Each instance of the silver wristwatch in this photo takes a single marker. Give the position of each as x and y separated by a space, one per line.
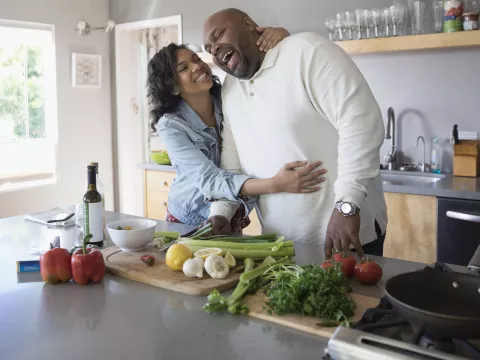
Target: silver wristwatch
347 208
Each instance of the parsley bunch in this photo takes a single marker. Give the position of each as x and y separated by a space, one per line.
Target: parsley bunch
310 290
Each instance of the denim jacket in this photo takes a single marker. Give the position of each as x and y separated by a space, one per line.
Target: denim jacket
194 150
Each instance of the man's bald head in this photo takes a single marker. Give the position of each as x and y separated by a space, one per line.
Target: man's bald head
230 36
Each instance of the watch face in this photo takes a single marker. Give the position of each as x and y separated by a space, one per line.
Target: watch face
346 208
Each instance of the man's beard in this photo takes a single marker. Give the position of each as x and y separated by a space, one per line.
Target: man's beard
245 69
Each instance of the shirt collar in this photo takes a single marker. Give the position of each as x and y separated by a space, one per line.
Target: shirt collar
192 117
269 61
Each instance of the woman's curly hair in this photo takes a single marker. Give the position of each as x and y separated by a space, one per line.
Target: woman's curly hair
162 82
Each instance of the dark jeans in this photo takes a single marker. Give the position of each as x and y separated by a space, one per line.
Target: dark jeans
375 247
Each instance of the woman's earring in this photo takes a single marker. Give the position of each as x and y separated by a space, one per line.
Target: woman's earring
176 93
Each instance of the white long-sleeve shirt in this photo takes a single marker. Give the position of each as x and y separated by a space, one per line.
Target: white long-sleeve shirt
309 102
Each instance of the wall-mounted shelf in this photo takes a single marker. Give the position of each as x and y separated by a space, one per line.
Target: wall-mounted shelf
412 43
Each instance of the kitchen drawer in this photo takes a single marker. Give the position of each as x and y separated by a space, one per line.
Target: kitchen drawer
156 204
159 180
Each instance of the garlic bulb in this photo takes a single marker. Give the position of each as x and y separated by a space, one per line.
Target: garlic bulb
193 267
217 267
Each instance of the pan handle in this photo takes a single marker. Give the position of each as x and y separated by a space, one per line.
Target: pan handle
463 216
474 264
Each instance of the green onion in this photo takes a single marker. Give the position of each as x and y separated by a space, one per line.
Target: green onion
246 277
202 231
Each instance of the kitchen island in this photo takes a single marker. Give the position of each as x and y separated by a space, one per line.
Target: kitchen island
122 319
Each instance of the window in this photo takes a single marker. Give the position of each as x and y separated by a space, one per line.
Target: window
28 108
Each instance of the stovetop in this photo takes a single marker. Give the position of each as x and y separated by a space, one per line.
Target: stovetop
383 333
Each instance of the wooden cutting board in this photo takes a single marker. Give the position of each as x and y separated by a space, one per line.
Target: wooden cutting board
305 323
129 266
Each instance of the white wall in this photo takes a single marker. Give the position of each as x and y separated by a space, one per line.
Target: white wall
84 115
430 91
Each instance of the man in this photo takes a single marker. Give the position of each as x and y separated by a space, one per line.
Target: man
305 98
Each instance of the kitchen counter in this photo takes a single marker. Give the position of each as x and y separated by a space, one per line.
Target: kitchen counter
122 319
155 167
450 187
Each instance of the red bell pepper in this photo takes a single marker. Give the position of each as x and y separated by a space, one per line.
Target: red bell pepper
88 264
55 266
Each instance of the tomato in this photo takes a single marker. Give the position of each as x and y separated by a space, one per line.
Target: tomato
348 262
368 272
326 264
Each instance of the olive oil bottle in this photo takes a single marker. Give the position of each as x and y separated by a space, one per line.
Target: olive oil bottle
93 209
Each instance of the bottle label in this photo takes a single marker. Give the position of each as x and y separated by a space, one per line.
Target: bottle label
93 221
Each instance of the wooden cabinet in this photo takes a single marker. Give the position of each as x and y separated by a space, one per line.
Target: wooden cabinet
412 227
157 186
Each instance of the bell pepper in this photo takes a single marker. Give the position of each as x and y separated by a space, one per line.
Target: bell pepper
87 264
55 266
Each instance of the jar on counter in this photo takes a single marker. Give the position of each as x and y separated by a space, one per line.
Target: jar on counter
453 20
470 21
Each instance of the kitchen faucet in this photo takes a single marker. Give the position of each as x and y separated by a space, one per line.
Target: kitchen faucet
391 157
422 166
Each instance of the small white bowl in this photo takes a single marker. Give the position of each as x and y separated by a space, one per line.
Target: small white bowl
132 240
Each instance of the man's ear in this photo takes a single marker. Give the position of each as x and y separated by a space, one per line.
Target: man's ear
249 24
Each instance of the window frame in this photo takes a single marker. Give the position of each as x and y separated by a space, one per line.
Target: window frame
51 114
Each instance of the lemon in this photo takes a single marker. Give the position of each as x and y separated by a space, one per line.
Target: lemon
204 253
230 260
177 255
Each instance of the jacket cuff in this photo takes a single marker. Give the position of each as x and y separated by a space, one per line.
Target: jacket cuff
350 194
223 208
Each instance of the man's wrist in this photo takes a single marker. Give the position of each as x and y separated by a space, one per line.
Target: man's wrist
347 208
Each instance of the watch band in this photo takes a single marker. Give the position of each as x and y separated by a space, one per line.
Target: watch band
353 209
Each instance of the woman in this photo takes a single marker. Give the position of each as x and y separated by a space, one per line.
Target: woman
187 114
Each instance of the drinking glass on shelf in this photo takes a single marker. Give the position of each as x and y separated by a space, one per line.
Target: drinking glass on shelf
345 21
438 15
338 29
330 25
350 24
360 24
417 14
369 28
387 22
399 13
377 22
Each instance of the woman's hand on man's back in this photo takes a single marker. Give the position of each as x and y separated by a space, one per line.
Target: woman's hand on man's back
298 177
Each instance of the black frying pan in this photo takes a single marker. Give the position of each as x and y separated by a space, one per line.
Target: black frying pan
443 304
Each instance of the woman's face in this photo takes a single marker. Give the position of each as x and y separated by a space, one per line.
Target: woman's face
193 75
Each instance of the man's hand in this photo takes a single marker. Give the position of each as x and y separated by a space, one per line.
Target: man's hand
341 232
220 225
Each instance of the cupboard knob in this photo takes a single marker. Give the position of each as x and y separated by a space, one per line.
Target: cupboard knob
165 204
165 183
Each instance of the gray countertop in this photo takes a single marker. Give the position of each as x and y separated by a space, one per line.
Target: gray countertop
122 319
450 186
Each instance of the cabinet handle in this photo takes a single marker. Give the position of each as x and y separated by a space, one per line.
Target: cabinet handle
165 183
165 204
463 216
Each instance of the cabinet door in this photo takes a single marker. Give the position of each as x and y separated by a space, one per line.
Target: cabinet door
412 227
254 228
156 204
159 180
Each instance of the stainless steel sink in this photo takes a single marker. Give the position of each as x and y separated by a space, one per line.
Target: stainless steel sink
413 178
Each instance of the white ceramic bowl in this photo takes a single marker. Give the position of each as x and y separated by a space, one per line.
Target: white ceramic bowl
132 240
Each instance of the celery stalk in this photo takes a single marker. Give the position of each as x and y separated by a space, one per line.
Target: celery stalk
234 245
241 254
